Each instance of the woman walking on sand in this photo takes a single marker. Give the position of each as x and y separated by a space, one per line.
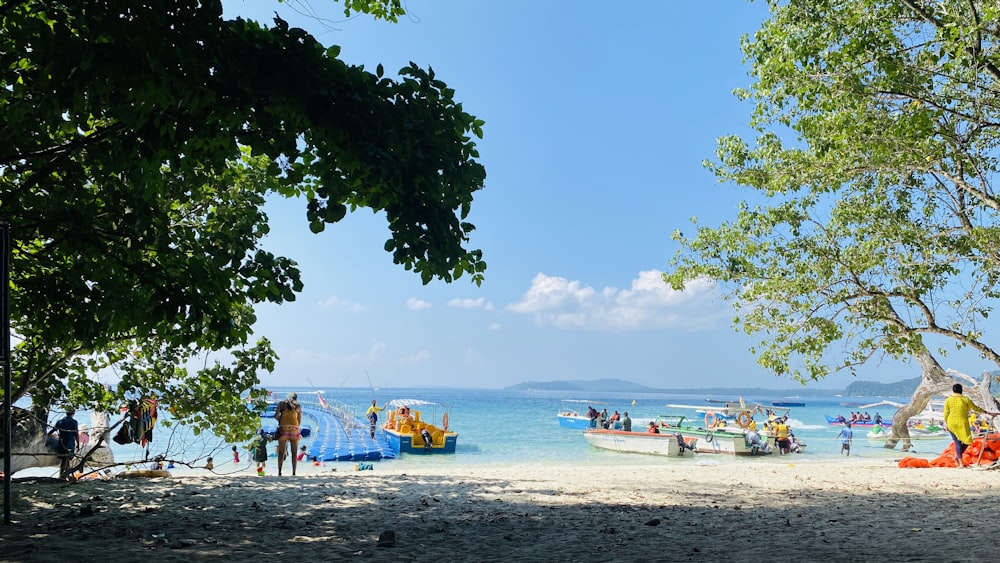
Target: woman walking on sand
289 415
956 418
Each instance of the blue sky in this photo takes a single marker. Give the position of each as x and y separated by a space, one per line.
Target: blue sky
597 120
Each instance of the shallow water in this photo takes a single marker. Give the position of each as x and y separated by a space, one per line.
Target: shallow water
500 426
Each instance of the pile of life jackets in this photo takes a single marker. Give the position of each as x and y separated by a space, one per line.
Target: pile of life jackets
982 451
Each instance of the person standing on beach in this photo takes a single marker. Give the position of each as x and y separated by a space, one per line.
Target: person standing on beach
259 447
67 431
846 437
372 415
956 418
289 415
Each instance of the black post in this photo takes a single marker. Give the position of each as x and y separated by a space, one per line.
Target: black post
5 358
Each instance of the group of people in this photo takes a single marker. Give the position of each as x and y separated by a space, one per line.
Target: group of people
289 416
614 421
857 417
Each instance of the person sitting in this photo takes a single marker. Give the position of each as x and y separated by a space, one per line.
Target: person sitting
612 422
652 428
683 445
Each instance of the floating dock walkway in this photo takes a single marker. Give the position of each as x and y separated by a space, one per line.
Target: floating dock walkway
333 441
339 435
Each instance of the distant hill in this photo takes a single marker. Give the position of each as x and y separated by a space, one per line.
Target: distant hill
903 388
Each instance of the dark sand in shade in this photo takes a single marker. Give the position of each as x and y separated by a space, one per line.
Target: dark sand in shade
663 510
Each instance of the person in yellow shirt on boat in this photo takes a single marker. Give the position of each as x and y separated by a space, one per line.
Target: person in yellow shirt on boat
956 418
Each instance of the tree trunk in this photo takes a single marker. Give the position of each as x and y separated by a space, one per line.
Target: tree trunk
934 381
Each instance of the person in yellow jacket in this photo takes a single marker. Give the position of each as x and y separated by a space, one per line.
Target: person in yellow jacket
956 417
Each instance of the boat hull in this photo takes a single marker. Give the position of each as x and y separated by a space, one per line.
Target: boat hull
635 442
835 421
413 443
728 443
574 422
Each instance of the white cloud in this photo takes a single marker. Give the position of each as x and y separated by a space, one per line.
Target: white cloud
648 304
414 359
494 326
337 303
415 304
300 356
468 303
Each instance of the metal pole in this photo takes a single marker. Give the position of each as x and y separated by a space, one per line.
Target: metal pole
5 358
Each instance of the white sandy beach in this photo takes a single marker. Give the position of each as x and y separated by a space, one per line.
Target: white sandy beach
852 511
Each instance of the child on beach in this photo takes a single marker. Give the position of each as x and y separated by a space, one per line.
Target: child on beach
259 449
236 455
302 453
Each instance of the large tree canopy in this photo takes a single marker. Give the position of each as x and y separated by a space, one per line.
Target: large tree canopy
877 150
138 141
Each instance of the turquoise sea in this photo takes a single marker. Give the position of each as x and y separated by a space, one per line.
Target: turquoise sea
507 426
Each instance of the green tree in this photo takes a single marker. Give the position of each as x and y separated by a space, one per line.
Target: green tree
138 141
875 157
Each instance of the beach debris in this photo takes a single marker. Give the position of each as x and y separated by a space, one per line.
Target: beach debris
653 522
387 538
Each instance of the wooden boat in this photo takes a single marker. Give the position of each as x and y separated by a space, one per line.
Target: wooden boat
411 431
787 404
838 420
570 415
570 419
713 440
731 410
917 432
638 442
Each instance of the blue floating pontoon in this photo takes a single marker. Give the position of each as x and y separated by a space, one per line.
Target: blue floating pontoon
338 437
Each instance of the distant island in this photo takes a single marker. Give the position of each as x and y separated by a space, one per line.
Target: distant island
903 388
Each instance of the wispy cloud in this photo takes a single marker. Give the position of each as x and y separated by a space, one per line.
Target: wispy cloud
301 355
648 304
469 303
420 357
415 304
337 303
